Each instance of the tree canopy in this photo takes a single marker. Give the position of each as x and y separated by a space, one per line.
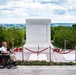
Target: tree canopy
62 33
7 34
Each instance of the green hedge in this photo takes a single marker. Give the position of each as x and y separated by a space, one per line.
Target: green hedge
43 63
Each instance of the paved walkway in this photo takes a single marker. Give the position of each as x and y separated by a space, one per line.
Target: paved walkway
43 70
40 70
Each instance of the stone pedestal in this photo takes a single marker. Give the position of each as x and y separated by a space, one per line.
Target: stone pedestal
37 37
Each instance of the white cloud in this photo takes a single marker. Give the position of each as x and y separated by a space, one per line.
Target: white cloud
45 0
71 1
63 18
12 20
19 10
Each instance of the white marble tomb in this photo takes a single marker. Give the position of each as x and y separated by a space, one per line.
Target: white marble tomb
37 37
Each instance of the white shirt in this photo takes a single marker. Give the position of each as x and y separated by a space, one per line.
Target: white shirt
3 49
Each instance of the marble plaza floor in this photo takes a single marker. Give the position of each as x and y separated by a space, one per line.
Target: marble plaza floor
40 70
56 57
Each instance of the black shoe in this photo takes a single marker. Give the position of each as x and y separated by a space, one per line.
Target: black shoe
14 64
9 66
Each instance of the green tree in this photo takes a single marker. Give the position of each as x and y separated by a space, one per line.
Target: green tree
62 33
12 33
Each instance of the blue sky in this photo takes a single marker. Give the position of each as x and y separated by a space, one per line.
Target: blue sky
17 11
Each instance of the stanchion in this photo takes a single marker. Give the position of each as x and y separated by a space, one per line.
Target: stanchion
22 54
65 45
22 50
38 53
50 53
12 43
75 53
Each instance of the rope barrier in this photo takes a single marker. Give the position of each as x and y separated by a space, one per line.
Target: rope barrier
18 50
36 51
56 50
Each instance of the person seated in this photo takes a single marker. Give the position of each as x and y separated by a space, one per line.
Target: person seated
6 50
